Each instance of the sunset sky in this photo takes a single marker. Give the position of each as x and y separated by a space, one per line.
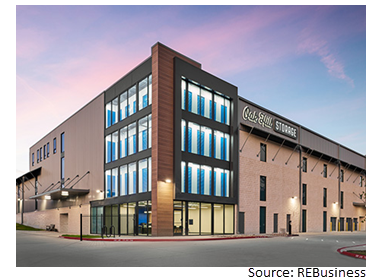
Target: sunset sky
307 63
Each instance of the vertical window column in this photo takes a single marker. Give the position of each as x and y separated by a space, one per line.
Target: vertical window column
193 178
263 188
108 115
62 172
108 148
221 110
143 94
114 116
193 98
132 106
123 106
54 146
206 103
304 192
150 89
184 93
123 144
221 183
324 197
111 113
325 171
132 145
263 152
143 133
221 146
123 180
304 164
144 175
62 160
132 178
114 146
111 183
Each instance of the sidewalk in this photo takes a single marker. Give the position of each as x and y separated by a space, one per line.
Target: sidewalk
130 238
344 251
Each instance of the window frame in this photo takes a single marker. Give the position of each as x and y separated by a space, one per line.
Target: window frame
263 152
54 145
342 199
304 164
62 142
342 176
325 170
325 197
304 194
262 188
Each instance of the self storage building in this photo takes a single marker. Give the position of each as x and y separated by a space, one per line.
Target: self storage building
170 149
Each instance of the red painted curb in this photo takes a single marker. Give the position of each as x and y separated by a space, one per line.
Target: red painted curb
161 240
340 250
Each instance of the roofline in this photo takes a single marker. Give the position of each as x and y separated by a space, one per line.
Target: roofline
194 61
300 126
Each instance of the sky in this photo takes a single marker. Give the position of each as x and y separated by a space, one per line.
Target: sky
306 63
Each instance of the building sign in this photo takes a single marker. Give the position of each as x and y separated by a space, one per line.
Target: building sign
285 129
258 118
267 121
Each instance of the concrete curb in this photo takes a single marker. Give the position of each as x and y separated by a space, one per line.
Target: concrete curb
151 239
342 252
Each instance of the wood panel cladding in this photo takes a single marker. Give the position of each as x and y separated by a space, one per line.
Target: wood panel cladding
162 150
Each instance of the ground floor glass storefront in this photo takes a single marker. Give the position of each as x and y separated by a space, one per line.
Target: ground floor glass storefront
122 219
190 218
198 218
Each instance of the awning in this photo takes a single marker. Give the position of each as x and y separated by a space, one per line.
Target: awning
28 176
360 204
62 193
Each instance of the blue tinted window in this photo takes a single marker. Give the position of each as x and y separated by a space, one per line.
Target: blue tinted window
62 142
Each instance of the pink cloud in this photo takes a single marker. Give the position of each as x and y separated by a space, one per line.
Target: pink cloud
249 37
314 44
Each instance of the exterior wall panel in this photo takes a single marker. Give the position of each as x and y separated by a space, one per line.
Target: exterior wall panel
162 150
318 143
282 183
84 152
351 157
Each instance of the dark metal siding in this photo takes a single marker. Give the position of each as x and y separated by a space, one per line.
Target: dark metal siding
318 143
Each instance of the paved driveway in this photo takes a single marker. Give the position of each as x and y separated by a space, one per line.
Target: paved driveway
46 249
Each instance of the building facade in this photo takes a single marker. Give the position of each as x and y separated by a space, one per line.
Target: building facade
170 149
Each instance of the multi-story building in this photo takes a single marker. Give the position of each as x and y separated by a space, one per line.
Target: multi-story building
170 149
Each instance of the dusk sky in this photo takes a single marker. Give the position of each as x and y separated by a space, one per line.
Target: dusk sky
307 63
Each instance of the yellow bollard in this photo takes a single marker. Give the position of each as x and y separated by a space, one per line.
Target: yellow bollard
330 226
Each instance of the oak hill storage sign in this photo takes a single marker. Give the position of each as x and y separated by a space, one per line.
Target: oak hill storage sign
266 121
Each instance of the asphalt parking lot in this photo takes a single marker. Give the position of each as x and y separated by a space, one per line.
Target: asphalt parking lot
46 249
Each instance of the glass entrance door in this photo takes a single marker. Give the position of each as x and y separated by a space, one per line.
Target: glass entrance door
178 222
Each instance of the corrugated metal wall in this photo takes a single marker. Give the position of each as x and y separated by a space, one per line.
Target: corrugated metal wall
318 143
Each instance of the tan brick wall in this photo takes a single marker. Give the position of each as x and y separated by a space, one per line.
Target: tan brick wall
66 220
283 184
